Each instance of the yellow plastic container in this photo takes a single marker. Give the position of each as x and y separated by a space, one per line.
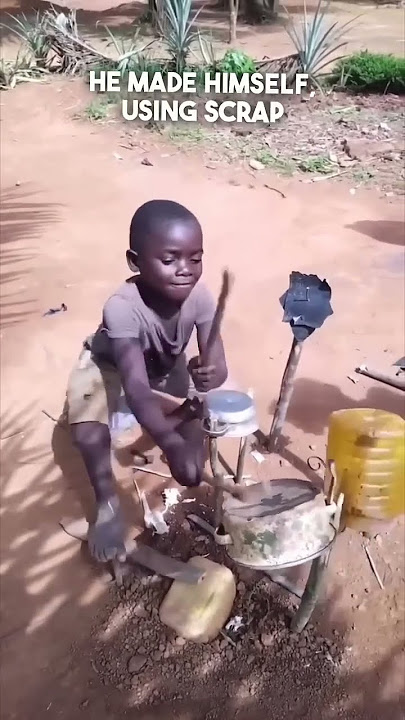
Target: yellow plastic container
198 612
368 449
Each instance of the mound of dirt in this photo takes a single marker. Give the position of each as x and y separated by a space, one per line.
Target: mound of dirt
134 652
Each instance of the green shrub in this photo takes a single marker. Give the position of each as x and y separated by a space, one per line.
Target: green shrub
236 61
372 72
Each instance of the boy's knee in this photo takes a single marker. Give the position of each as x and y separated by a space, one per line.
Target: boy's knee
90 434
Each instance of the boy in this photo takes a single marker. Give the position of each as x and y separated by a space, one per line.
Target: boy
140 347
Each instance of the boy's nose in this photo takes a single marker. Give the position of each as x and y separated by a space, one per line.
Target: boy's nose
183 268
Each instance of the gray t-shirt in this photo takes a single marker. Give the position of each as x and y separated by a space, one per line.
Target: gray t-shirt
125 315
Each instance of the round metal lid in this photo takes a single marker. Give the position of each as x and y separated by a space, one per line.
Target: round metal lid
230 405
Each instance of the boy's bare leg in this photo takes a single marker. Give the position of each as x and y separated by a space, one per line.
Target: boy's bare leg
106 535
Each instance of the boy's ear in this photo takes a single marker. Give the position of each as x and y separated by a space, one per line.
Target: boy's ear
132 260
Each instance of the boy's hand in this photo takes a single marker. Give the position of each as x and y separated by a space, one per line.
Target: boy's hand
203 377
106 538
185 460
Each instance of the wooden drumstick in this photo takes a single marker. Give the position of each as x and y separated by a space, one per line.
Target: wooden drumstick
227 282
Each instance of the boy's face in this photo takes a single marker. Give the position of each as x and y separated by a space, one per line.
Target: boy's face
171 262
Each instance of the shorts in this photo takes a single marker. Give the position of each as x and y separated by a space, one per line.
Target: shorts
95 394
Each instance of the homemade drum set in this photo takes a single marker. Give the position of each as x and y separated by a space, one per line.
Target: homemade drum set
273 525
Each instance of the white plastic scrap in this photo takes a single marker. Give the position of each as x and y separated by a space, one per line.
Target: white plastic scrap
235 623
153 518
257 456
171 497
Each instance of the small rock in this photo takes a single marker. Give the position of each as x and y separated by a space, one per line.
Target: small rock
136 663
211 166
266 639
224 644
84 704
303 652
140 612
18 183
229 655
241 587
142 651
180 641
258 645
378 540
162 647
256 164
251 659
146 161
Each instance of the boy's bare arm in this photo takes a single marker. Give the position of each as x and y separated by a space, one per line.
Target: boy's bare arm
183 458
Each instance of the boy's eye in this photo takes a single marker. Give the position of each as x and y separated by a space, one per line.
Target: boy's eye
167 261
196 259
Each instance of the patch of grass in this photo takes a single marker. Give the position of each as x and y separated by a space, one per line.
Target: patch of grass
363 176
97 111
267 158
372 72
317 164
189 136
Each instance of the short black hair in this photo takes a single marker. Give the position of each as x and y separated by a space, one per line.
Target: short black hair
150 218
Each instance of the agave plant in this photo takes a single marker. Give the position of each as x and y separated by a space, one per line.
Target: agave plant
34 36
177 29
21 69
317 40
126 48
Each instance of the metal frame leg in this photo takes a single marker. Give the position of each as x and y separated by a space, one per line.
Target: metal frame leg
241 460
311 593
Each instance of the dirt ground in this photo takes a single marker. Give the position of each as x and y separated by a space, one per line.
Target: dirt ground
66 633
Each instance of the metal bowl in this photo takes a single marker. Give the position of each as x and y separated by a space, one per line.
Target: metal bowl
230 406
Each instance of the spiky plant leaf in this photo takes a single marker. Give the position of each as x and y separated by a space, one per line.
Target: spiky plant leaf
177 29
316 40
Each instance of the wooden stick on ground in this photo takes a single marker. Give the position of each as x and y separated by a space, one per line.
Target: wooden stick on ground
381 377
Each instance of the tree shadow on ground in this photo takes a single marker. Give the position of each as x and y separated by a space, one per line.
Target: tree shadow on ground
21 222
312 403
58 597
385 231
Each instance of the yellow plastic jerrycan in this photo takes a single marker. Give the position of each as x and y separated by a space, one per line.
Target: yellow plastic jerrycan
367 448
